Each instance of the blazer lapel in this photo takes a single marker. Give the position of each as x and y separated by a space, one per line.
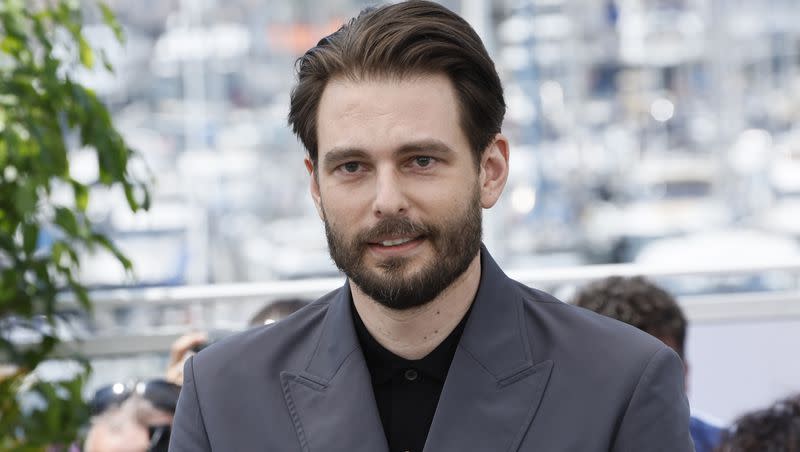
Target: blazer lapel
493 387
331 402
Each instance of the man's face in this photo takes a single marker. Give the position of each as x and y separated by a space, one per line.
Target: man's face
397 187
117 434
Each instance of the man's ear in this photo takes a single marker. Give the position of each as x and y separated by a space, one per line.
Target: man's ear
314 185
493 171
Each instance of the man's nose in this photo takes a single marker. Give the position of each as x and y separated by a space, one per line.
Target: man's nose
390 198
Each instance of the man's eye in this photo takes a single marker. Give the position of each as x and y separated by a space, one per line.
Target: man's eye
423 161
351 167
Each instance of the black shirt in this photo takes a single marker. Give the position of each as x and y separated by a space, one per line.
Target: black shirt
407 391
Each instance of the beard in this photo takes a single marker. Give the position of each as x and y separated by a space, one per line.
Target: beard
455 242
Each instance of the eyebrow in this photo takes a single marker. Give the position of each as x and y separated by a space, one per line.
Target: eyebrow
426 146
336 156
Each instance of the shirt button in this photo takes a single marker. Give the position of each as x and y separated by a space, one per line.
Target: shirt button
411 374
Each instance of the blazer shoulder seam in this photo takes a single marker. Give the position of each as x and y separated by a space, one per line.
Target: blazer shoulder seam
534 295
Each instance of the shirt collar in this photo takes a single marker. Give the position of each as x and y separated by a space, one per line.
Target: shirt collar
383 364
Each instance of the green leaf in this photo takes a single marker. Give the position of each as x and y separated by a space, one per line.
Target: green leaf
106 243
66 219
80 292
50 149
147 198
3 143
111 21
25 197
9 291
11 45
52 412
83 297
39 28
86 52
106 62
11 22
30 236
58 251
39 106
130 195
81 195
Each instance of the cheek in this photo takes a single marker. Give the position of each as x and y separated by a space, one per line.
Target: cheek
343 206
444 199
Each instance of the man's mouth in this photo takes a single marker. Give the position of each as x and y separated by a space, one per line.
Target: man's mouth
395 242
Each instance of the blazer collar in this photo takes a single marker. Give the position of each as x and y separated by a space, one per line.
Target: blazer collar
495 332
493 376
331 401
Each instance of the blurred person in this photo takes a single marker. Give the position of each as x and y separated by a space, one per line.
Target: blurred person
277 310
775 429
428 343
183 347
132 417
641 303
190 343
116 430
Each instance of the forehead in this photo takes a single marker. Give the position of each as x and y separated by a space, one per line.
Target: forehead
384 112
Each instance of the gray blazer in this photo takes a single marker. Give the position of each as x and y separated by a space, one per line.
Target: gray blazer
530 374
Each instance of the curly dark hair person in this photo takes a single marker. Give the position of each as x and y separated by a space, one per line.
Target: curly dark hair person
775 429
638 302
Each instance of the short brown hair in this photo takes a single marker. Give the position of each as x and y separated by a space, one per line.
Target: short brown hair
638 302
396 41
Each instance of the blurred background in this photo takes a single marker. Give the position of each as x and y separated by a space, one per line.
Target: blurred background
660 135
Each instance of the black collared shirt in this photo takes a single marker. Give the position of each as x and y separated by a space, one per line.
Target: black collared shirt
407 391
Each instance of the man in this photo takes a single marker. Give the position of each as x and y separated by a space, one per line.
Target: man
116 431
640 303
428 345
134 425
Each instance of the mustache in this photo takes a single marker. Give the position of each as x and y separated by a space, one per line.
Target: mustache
394 226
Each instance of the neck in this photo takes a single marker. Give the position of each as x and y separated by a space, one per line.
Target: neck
414 333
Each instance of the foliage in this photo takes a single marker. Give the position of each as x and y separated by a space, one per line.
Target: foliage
43 114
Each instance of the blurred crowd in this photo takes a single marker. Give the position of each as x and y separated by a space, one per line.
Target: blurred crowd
135 416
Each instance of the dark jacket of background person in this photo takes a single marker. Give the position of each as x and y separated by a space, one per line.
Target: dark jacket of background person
530 373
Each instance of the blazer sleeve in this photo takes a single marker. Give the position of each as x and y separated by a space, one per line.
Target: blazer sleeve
188 429
657 417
